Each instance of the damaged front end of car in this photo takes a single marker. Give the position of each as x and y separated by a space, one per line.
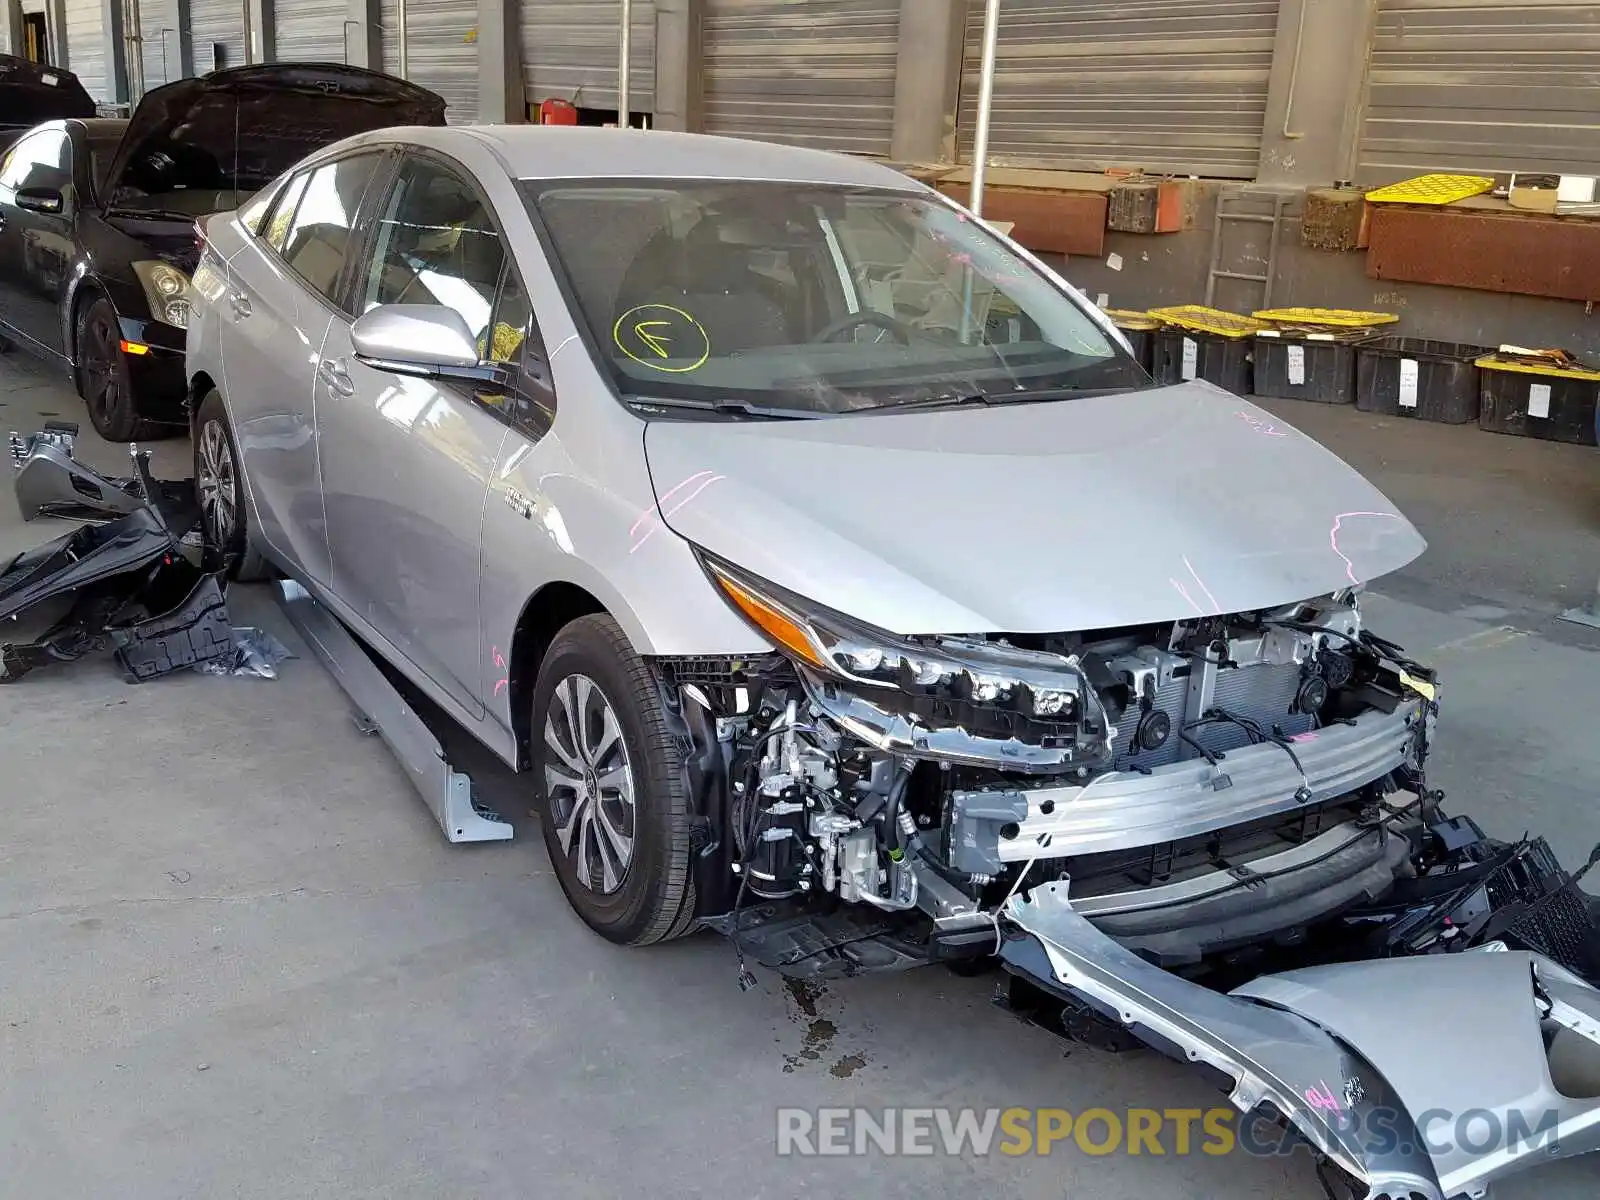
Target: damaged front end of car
1213 836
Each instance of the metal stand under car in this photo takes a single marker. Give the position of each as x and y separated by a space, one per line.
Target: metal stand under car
381 709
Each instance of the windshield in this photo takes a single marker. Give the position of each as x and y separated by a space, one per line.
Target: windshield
814 300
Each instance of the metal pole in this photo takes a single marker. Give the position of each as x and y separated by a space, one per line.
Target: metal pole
405 52
980 141
249 35
624 61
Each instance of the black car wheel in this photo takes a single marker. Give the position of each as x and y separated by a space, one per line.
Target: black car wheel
104 381
219 491
611 787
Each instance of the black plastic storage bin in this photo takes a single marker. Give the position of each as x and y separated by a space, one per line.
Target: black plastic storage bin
1552 405
1140 340
1419 377
1180 354
168 629
1140 332
1301 365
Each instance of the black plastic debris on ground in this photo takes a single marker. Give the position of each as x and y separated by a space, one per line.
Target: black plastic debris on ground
125 580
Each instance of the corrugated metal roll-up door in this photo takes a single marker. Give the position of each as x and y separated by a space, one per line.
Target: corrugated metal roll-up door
86 54
1481 87
162 56
214 22
310 30
807 72
439 57
570 52
1167 85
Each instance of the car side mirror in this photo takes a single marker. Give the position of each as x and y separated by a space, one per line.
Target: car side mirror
429 341
41 200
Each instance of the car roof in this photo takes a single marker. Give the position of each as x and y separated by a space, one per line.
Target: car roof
580 152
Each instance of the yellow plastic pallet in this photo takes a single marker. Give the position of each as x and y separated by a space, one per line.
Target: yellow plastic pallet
1344 318
1432 189
1201 319
1491 362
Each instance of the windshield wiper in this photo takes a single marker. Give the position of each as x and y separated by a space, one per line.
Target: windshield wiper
158 214
962 399
731 408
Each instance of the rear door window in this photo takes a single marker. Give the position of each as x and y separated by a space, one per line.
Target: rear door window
283 211
323 232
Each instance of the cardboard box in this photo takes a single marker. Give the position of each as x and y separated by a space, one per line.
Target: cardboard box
1535 193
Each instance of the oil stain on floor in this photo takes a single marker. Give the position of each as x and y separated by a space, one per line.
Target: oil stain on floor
801 1002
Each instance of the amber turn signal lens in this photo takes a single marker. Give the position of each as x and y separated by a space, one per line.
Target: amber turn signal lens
776 624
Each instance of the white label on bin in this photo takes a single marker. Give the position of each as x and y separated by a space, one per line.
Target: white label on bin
1408 383
1539 400
1191 358
1297 366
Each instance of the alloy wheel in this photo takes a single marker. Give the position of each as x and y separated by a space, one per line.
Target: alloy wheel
216 484
102 380
589 783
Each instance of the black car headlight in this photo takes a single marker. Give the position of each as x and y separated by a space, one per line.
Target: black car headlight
166 289
992 675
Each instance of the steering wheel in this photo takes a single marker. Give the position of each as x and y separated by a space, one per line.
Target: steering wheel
868 316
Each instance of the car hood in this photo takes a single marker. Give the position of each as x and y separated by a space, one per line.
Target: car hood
1079 514
31 94
244 126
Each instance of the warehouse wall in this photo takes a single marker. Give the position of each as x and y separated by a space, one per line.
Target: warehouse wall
1277 94
1279 91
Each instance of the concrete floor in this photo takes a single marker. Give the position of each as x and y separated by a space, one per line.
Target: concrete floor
240 960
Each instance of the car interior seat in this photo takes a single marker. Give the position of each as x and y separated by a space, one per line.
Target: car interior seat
713 281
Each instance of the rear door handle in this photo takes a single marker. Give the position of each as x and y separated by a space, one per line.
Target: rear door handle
333 372
240 303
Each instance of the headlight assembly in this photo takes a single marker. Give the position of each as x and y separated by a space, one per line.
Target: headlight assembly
988 675
167 290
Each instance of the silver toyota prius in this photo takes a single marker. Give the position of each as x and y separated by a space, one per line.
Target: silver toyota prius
843 584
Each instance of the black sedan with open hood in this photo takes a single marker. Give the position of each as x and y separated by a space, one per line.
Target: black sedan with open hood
100 220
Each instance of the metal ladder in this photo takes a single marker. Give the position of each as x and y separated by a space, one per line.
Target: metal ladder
1228 204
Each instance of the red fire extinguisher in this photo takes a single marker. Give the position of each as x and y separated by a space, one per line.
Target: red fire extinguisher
557 112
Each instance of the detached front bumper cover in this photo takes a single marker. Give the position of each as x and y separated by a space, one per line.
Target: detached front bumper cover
1421 1077
50 482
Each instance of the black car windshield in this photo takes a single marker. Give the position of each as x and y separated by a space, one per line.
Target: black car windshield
814 300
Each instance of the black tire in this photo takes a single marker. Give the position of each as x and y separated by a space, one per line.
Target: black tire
103 378
225 541
653 899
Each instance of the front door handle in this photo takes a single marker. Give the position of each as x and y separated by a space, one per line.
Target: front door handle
333 372
240 303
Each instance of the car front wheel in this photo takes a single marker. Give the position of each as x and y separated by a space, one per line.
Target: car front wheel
219 490
104 380
612 793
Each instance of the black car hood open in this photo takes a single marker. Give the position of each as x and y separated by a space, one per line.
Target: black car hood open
242 127
32 93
